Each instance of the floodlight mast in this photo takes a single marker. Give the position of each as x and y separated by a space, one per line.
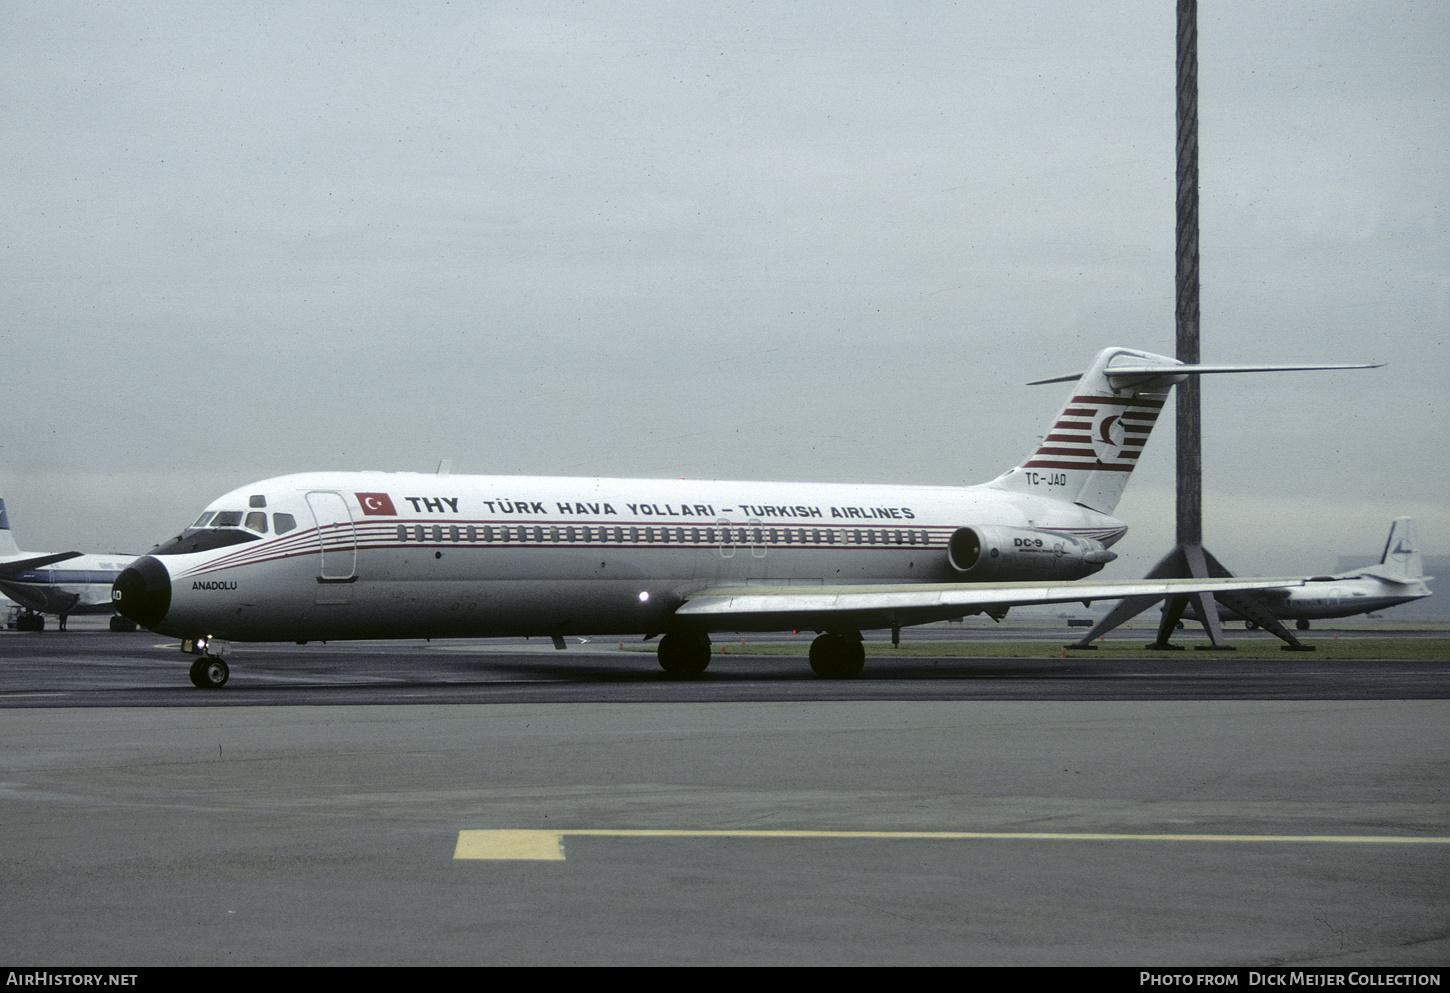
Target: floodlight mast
1188 559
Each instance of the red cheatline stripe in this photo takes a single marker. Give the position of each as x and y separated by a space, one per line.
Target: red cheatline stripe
1121 401
1096 467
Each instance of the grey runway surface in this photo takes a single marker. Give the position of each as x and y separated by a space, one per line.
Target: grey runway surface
311 812
99 669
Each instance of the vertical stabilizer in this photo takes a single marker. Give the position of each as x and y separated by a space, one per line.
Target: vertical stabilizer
1402 551
8 548
1092 447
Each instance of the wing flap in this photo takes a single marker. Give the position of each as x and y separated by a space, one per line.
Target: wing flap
887 605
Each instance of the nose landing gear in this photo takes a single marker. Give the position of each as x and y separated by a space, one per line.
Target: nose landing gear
209 673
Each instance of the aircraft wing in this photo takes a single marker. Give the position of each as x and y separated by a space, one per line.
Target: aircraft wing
814 607
37 597
14 567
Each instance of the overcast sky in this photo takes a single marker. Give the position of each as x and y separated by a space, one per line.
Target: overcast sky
752 241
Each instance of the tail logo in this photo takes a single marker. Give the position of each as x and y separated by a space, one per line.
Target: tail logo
1108 436
1098 433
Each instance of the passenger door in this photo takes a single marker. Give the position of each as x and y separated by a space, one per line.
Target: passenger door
337 540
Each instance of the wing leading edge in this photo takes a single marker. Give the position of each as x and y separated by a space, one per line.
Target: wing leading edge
822 607
15 567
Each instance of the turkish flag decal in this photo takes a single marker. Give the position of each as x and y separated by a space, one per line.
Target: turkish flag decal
376 505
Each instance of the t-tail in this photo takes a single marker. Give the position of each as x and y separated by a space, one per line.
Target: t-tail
1097 440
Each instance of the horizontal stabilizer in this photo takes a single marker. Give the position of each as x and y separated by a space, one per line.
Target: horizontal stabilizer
1125 376
16 566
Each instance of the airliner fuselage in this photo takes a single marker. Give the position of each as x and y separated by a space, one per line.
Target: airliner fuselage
320 556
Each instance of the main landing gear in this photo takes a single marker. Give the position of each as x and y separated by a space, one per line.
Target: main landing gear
684 653
209 673
834 655
838 656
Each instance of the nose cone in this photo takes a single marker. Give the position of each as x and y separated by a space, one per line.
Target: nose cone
142 591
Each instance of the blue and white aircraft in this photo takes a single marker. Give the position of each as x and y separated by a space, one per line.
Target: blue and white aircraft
339 555
61 583
1399 577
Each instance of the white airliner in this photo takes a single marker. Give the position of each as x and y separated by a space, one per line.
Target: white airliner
1399 577
62 583
341 555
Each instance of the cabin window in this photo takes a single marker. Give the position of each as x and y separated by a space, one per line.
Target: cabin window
472 533
418 533
453 532
438 534
539 535
402 532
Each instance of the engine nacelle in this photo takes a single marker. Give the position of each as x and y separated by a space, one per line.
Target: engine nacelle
1004 554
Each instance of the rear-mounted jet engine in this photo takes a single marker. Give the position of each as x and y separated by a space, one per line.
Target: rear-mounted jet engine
1004 554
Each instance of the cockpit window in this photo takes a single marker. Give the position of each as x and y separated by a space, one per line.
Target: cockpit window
227 519
257 521
282 523
201 521
203 539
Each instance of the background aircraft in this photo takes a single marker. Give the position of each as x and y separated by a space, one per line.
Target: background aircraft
342 555
1399 577
61 583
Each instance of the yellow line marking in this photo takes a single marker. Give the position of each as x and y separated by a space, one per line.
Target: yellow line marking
535 845
549 845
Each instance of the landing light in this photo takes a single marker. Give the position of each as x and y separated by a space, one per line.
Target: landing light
644 596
